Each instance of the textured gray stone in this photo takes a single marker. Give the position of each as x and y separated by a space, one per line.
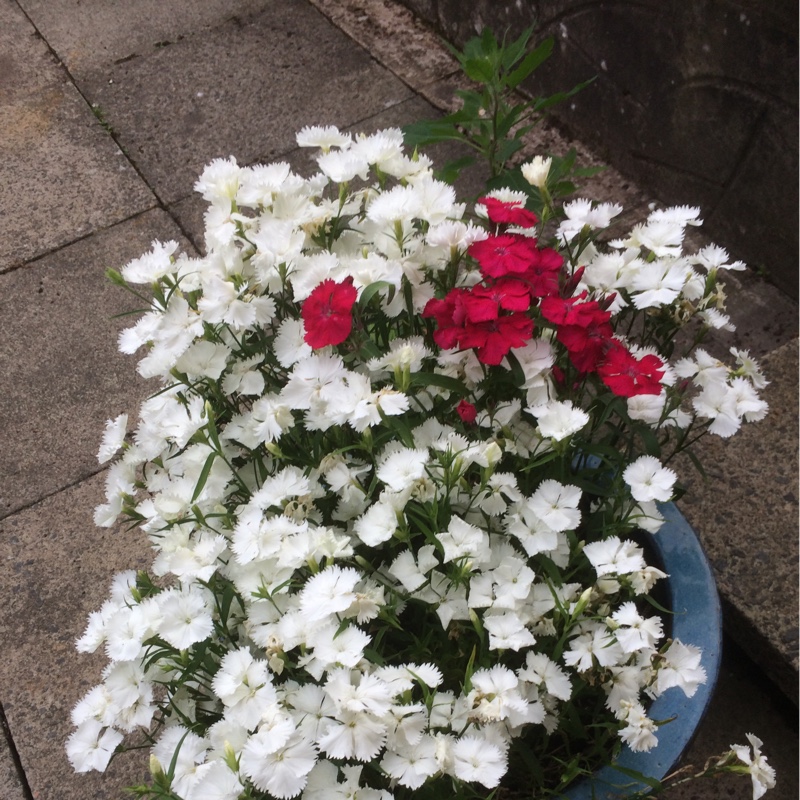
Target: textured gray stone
61 175
396 37
56 567
242 89
59 341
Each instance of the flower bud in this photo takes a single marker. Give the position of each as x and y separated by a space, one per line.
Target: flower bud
536 171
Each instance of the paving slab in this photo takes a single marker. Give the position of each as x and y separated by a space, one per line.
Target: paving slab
56 567
61 174
58 344
746 516
242 89
90 35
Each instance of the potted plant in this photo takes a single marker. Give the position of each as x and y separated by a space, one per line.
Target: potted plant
393 478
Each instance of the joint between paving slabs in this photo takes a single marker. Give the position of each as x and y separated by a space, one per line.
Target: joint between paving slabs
9 742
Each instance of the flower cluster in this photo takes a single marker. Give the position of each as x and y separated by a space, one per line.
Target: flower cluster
392 476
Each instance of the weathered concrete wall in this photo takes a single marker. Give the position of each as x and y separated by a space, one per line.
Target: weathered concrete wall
695 100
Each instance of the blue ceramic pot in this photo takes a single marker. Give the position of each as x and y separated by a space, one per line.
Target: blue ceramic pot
696 620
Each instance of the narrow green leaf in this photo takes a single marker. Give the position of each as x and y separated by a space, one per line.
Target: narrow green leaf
442 381
533 60
513 52
653 783
204 473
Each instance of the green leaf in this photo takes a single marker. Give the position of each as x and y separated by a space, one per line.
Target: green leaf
442 381
479 70
368 292
560 97
533 60
517 373
452 169
653 783
513 52
697 463
430 132
204 473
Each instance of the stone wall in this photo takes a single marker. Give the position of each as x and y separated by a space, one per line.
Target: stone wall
696 100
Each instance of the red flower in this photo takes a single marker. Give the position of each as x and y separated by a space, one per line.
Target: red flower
467 412
449 315
507 293
628 376
582 326
543 272
504 255
508 213
492 340
327 314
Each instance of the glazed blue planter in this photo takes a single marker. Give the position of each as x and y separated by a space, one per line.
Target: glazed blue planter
696 620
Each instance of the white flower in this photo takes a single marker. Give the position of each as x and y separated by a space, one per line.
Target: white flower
341 166
282 772
761 773
557 505
495 694
186 617
153 265
399 469
413 765
595 644
219 181
215 781
613 556
639 733
749 368
681 668
635 632
713 257
648 480
91 746
378 524
659 283
718 403
507 632
536 171
244 686
476 759
323 137
583 213
681 215
539 669
354 735
559 419
462 540
204 359
329 592
186 751
113 438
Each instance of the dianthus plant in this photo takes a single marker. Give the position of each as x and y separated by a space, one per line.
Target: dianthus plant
391 473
